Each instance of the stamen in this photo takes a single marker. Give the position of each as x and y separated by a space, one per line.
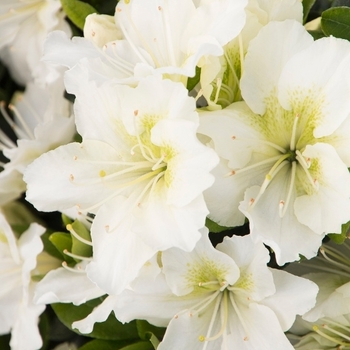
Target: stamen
22 121
224 317
268 178
69 228
337 254
19 133
332 339
284 204
241 319
204 284
299 157
249 167
294 131
76 270
264 142
168 37
333 262
141 38
330 329
75 256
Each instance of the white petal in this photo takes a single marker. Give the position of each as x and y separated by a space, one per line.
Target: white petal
263 64
255 278
325 83
185 271
63 286
99 314
119 253
286 236
318 210
288 302
71 176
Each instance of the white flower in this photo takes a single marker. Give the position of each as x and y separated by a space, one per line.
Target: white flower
220 76
224 298
325 334
41 122
140 169
169 37
18 262
284 151
24 26
330 270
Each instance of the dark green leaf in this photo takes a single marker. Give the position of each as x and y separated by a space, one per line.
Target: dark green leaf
192 82
77 11
340 238
5 341
99 344
316 34
336 21
307 4
111 329
149 332
214 227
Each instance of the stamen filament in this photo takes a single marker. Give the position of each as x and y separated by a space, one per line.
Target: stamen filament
249 167
22 121
71 269
224 313
284 207
75 256
241 319
271 174
330 329
323 334
304 165
337 254
333 262
69 228
294 131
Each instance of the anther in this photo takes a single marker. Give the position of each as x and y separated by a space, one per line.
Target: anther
136 112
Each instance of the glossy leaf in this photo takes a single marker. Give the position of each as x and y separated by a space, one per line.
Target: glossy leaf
77 11
336 21
307 4
192 82
116 345
62 241
111 329
78 247
340 238
214 227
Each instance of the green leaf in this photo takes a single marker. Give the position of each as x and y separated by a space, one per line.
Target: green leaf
340 238
77 11
214 227
78 247
5 341
336 21
62 241
307 4
49 247
111 329
116 345
66 220
192 82
144 330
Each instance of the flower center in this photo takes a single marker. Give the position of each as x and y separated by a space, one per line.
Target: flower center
290 157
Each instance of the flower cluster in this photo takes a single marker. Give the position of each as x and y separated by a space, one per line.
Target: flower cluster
162 122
